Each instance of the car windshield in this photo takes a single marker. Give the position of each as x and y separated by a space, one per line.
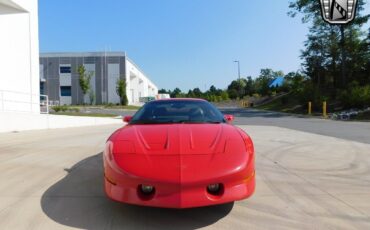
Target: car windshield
178 111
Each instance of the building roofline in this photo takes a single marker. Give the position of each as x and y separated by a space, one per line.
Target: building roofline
138 68
13 5
82 54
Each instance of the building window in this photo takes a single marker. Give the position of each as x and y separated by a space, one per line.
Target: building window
65 91
65 69
42 78
42 87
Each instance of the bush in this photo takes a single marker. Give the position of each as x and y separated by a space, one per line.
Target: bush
233 93
310 93
211 98
356 96
60 108
65 108
285 100
224 96
256 96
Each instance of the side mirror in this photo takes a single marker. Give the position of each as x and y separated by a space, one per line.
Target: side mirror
127 119
229 118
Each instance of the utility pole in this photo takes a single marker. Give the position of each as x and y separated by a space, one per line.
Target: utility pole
343 56
238 69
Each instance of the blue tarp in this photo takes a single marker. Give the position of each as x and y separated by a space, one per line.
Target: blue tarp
279 81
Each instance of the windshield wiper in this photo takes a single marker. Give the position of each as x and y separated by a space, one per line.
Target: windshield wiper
213 122
149 122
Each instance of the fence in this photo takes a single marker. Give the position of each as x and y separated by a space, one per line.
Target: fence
13 101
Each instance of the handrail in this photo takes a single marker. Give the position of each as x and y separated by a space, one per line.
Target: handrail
10 98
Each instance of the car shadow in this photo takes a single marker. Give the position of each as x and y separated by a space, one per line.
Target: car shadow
78 200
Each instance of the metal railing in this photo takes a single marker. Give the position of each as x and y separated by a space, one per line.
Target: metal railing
13 101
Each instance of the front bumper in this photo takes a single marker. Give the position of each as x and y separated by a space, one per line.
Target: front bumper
178 195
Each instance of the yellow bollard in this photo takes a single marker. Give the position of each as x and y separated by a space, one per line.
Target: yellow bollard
324 109
309 108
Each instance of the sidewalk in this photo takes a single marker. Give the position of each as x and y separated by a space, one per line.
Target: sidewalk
12 122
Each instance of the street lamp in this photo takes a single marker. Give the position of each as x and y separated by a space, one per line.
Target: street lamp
240 89
238 69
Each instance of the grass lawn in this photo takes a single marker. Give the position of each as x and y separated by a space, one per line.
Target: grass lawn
84 114
287 104
127 107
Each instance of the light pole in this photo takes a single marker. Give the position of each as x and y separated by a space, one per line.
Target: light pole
240 89
238 69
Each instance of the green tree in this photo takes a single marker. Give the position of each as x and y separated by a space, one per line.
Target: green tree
197 93
176 93
334 54
213 94
163 91
250 87
213 90
262 83
294 82
190 94
356 96
84 80
121 91
237 88
224 95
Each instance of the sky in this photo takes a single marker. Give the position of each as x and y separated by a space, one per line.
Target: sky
179 43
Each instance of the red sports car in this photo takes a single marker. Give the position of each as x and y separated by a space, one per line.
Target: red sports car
179 153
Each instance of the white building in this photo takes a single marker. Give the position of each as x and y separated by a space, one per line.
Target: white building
138 84
19 56
19 73
59 78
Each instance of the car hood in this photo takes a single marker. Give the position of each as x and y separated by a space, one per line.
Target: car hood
178 139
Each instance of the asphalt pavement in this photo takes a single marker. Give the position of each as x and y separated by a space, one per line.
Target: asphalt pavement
347 130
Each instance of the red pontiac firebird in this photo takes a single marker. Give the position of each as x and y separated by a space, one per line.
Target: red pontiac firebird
179 153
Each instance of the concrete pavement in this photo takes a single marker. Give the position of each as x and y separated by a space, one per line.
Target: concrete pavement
52 179
16 121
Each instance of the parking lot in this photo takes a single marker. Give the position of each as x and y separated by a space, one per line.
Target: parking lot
53 179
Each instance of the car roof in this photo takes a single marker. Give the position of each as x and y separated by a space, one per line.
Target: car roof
181 99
